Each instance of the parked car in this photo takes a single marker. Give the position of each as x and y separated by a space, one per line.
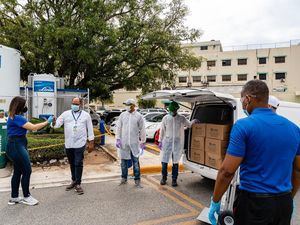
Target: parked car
214 108
113 125
95 117
108 116
152 125
152 110
149 116
156 137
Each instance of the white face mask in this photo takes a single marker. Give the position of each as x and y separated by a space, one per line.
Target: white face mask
128 108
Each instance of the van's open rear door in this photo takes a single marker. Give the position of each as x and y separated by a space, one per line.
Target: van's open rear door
187 95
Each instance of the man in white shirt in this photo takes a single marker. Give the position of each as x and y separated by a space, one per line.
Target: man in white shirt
78 129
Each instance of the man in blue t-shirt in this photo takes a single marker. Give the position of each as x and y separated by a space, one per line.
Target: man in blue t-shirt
266 147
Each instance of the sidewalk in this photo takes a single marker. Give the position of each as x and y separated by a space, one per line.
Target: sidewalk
99 170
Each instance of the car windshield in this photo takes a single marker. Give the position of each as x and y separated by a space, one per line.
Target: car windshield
149 116
157 118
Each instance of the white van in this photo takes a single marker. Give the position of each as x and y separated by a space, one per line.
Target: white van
216 108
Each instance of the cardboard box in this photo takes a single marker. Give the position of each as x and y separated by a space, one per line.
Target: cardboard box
197 155
220 132
215 146
212 160
199 129
198 142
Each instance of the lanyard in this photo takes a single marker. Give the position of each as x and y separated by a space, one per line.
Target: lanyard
76 119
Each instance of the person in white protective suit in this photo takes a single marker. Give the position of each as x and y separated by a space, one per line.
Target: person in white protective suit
130 140
171 141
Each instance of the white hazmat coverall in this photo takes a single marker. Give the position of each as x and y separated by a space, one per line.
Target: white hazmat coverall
172 137
131 131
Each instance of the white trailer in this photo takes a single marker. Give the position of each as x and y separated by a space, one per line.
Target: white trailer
9 75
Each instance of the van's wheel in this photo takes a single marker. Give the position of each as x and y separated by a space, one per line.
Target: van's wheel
226 218
95 122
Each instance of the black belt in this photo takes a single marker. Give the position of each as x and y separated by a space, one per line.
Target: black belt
265 195
13 137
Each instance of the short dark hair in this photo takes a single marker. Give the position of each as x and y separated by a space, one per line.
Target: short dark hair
16 106
257 88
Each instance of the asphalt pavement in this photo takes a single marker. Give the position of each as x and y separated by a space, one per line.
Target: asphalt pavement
107 203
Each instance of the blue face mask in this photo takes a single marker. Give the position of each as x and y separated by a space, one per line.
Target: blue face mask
75 108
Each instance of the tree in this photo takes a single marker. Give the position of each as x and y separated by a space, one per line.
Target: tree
101 44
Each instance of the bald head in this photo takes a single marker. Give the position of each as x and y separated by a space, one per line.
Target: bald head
76 101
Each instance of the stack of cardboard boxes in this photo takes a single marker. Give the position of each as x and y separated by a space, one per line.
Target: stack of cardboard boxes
209 143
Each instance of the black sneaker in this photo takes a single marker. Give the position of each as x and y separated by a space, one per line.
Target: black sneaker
79 189
174 183
163 182
71 186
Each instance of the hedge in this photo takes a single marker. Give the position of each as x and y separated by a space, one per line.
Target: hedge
44 147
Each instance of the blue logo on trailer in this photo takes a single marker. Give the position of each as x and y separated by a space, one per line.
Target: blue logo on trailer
43 86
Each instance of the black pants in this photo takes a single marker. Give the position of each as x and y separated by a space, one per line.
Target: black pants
164 171
253 209
75 157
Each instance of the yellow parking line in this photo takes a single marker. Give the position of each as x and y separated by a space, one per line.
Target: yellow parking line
152 147
192 212
185 197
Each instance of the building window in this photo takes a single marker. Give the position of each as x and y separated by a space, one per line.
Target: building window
280 76
182 79
226 62
242 77
262 76
242 61
205 47
211 63
226 77
211 78
196 78
279 59
262 60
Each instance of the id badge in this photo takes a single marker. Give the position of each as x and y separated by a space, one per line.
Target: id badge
75 129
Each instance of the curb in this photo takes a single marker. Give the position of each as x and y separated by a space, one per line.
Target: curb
66 182
157 169
114 158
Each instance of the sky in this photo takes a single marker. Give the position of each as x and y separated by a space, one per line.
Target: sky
239 22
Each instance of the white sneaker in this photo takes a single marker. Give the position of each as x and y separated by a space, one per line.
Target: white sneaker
30 201
13 201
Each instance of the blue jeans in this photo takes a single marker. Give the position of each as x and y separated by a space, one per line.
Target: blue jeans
136 167
17 152
75 158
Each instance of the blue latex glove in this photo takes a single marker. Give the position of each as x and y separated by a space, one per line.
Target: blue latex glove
118 143
214 208
160 145
50 119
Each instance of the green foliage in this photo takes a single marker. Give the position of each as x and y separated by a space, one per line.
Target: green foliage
144 104
103 45
37 142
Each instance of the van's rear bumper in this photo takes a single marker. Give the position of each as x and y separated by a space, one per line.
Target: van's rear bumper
201 169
